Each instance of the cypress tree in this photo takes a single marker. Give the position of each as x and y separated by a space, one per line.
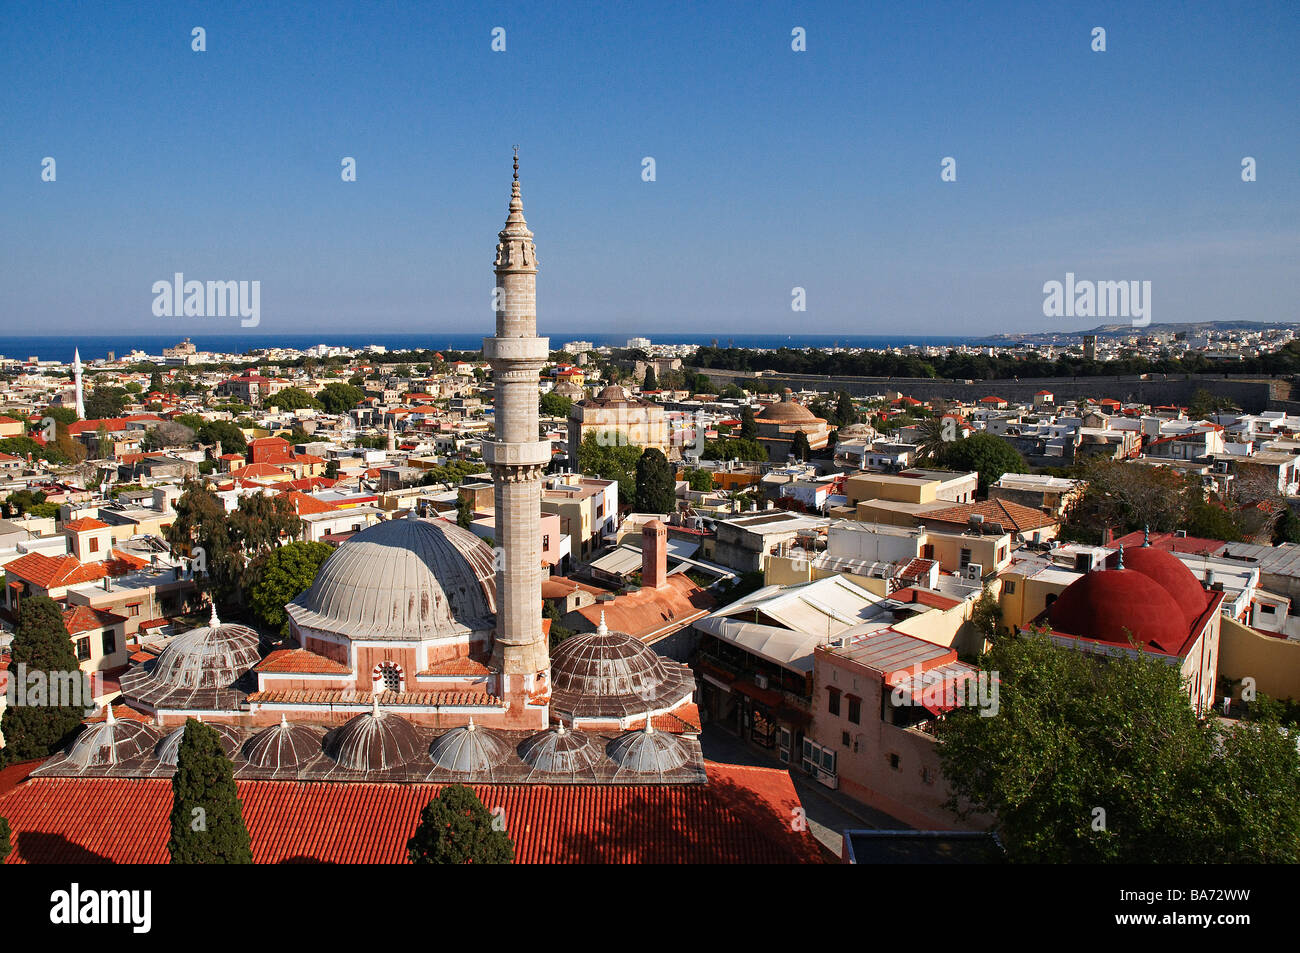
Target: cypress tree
650 382
799 446
748 425
455 828
656 485
43 647
464 511
207 818
5 845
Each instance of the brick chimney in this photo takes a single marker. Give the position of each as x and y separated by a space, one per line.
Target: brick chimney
654 555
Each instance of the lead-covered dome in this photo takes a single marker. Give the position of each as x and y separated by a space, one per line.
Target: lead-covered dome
374 741
787 411
110 742
403 579
169 749
469 750
611 674
286 745
648 752
198 669
560 752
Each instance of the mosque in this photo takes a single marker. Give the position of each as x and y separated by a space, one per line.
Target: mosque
419 656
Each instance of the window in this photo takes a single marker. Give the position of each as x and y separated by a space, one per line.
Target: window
546 542
893 761
94 544
1002 553
109 642
855 709
133 609
817 760
965 558
844 738
387 678
834 705
1267 610
1009 587
83 649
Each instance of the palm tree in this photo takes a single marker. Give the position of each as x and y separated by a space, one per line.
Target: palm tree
931 433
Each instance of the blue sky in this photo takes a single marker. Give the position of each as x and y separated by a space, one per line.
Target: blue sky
775 169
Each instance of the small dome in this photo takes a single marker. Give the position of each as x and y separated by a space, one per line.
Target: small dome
469 749
168 750
110 742
403 579
1172 574
285 745
1110 605
648 752
561 752
373 742
613 392
197 669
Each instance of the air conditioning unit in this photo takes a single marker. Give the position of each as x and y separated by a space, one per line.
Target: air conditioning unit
975 572
761 681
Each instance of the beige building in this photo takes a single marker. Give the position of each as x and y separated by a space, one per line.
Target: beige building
634 420
779 422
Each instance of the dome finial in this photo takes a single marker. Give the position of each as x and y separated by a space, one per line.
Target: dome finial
108 714
213 621
470 726
649 723
1121 556
284 720
1146 536
602 629
374 704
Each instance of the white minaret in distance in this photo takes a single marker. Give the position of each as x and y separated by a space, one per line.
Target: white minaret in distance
76 383
518 460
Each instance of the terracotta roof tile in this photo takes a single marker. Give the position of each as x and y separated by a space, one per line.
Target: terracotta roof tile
301 662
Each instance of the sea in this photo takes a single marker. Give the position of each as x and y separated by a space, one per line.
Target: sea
60 347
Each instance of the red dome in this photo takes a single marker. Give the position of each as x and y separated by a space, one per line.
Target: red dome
1173 576
1109 605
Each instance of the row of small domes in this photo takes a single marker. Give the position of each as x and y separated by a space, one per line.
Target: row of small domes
378 740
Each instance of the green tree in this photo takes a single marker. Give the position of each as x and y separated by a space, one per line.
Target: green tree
279 576
22 501
338 397
606 457
201 527
739 449
231 437
986 614
5 845
156 381
294 398
104 403
464 510
655 483
987 454
1213 521
699 479
1287 529
702 385
42 647
554 405
748 425
207 821
1075 732
845 412
799 446
455 828
650 382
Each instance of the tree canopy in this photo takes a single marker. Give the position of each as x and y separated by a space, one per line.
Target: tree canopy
207 819
985 453
455 828
41 653
656 483
279 576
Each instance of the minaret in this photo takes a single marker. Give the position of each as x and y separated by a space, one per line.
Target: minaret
76 382
518 460
392 438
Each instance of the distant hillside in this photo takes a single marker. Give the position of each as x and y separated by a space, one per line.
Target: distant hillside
1124 330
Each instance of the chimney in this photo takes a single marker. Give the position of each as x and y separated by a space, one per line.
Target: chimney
654 555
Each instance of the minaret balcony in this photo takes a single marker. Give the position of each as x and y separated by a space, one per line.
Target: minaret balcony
532 349
533 453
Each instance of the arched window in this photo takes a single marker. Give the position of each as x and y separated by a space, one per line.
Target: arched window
388 677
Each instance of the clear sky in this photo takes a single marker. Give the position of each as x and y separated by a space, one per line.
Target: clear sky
774 168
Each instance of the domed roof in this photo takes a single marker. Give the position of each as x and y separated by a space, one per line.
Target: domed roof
285 745
608 673
469 749
1110 604
110 742
613 392
373 741
856 432
561 752
648 752
197 669
168 750
787 411
403 579
1173 576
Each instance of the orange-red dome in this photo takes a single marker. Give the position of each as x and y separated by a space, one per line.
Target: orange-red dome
1112 605
1173 576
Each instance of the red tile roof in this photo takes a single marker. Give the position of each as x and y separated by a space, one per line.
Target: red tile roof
85 619
300 661
50 572
647 612
84 524
742 815
1013 516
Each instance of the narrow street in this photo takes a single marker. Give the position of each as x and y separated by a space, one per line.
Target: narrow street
829 812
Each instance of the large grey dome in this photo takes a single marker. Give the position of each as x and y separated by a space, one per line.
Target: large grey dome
110 742
648 752
373 742
169 749
286 745
198 669
403 579
469 750
561 752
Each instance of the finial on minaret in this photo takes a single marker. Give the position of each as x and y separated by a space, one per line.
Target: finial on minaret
516 163
76 383
1121 556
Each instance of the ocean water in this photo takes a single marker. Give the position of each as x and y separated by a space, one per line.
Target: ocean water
60 348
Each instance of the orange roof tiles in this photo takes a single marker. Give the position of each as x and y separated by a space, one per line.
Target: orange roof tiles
300 662
85 619
1020 518
84 524
742 815
649 611
50 572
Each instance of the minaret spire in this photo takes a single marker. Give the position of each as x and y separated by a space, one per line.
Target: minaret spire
76 383
518 460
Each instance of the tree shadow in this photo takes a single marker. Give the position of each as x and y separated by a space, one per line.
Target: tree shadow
38 847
